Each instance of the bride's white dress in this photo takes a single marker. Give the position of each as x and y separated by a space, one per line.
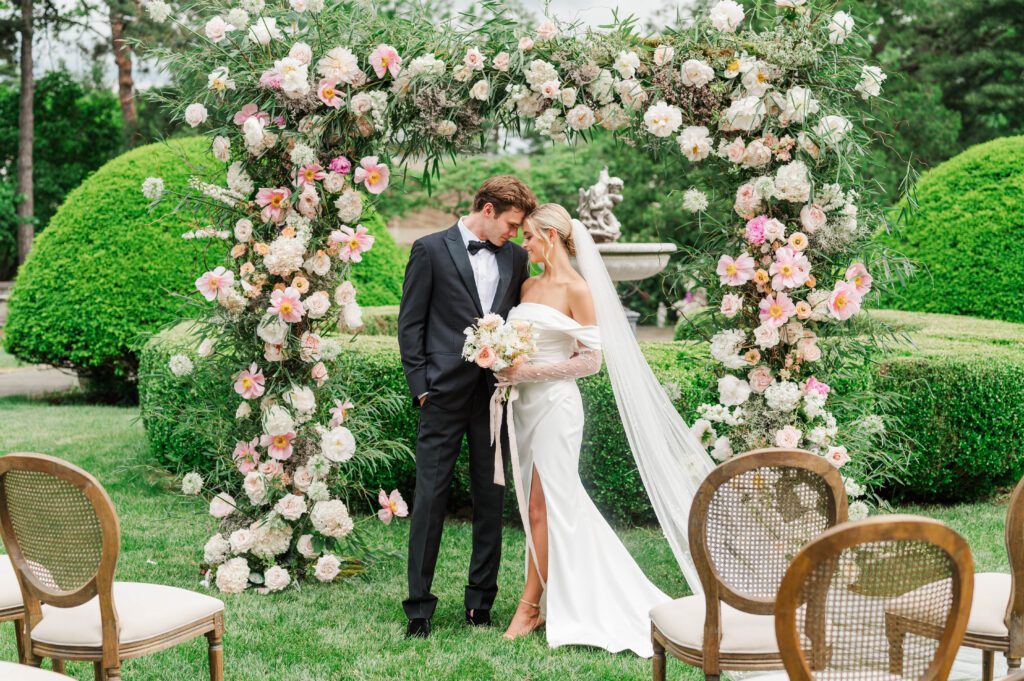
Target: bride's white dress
595 593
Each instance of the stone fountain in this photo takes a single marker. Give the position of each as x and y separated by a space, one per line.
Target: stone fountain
624 261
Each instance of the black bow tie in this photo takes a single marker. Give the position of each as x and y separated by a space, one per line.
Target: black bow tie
475 246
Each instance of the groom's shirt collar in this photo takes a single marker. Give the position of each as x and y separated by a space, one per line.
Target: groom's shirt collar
467 235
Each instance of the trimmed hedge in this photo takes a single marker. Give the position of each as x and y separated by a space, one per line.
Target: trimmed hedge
104 270
965 235
963 407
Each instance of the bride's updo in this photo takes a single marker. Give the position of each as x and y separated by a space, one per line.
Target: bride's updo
553 216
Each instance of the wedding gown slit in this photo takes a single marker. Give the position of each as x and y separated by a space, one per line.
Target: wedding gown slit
595 594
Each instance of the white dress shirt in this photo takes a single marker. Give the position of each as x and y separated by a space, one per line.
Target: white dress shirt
485 269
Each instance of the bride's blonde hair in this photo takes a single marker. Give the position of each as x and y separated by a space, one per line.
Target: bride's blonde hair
553 216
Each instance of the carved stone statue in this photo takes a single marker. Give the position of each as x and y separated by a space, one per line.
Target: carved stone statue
595 207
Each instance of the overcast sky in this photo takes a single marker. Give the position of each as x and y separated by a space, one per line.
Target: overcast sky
51 51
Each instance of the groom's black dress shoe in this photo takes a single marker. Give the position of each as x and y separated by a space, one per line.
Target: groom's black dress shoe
478 618
418 627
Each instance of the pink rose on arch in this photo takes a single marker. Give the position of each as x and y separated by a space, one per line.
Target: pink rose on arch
486 357
319 374
748 203
385 59
837 456
309 201
391 506
250 111
788 437
776 310
341 164
250 383
735 150
760 378
812 384
844 301
754 232
278 446
808 349
375 175
731 305
246 456
271 469
215 282
735 271
271 78
858 275
812 218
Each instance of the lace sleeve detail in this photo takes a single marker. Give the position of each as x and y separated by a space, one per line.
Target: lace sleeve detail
584 363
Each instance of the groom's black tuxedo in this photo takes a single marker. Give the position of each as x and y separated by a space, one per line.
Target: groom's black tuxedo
439 300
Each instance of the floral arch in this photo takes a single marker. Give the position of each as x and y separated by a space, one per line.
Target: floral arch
311 106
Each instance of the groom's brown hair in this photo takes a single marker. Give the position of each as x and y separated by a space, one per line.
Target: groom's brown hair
505 192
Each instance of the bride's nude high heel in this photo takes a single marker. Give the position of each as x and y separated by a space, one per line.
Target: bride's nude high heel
539 623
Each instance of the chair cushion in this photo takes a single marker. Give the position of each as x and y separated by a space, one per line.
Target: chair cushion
991 594
682 622
10 592
19 672
144 611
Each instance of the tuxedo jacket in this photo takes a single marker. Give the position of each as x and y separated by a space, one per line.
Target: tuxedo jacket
439 300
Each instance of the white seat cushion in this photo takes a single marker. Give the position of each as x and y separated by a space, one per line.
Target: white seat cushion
10 592
845 675
19 672
988 608
682 622
144 611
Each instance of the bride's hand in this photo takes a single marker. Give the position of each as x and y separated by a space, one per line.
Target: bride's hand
507 377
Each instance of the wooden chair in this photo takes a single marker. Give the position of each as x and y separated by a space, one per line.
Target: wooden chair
21 672
996 622
63 537
831 616
12 607
749 518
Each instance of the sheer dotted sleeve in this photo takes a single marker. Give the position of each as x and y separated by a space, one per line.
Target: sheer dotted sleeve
585 362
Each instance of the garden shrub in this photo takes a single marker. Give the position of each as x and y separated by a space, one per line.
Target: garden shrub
107 268
965 235
961 407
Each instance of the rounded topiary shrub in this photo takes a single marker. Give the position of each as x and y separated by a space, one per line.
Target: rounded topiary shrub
107 267
965 235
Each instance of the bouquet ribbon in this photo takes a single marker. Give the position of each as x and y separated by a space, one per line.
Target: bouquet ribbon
498 399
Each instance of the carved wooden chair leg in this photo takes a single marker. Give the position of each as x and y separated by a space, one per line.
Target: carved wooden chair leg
988 658
113 673
97 671
1012 662
216 652
58 665
20 639
658 661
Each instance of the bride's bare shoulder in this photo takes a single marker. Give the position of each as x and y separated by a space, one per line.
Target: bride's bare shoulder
581 303
527 285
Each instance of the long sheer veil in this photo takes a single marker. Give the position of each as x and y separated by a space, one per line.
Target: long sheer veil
672 463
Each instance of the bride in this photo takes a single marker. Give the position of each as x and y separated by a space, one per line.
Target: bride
581 581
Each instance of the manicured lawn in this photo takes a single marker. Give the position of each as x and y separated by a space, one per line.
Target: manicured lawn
350 630
7 361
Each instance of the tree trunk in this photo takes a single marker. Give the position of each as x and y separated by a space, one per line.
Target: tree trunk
125 83
26 137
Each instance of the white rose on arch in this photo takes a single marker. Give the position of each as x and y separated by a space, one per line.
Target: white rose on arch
746 114
338 444
727 16
732 391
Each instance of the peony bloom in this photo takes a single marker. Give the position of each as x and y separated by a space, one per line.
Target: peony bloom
327 568
217 29
748 202
264 30
858 275
246 456
789 270
735 272
353 242
278 446
480 91
241 540
327 92
286 305
697 73
274 203
788 437
844 301
812 218
754 231
776 310
331 518
384 58
695 143
731 305
222 505
291 506
276 578
746 114
215 282
233 576
871 79
375 175
812 384
732 391
663 119
391 506
196 114
727 16
839 28
341 164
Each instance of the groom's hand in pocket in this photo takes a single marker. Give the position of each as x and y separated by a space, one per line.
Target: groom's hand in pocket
423 398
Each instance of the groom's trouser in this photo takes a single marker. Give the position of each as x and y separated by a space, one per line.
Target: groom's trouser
437 448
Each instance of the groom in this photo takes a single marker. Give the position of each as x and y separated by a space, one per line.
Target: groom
453 278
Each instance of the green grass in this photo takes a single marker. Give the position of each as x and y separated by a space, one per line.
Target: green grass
353 629
7 360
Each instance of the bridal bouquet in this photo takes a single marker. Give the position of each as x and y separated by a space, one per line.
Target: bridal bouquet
495 344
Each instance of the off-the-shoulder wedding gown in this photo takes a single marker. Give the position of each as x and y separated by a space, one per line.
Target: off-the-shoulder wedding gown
595 593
